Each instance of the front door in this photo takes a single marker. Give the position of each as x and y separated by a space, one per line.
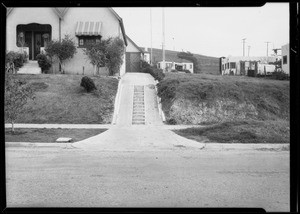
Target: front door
28 41
37 43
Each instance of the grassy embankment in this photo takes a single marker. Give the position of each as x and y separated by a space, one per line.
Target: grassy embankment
60 99
238 109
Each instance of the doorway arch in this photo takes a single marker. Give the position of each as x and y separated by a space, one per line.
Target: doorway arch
34 36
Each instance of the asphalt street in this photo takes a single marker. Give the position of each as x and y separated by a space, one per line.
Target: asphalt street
178 177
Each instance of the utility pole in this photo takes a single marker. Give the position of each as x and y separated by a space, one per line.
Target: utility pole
248 49
267 47
163 39
151 36
244 46
173 45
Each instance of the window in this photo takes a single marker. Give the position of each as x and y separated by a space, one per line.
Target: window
284 59
232 65
191 66
84 40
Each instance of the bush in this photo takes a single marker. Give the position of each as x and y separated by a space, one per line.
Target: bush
88 84
156 73
144 65
63 50
115 52
174 71
187 71
17 58
44 62
279 75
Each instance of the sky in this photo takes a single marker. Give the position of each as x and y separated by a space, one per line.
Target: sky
210 31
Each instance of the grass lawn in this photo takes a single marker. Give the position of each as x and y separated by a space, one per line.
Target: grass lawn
61 99
274 132
49 135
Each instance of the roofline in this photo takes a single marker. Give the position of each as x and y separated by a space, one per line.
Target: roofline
135 44
121 24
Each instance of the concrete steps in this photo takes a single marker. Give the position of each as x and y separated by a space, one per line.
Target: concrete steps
138 113
31 67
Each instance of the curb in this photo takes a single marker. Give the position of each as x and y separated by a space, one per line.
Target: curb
29 144
117 103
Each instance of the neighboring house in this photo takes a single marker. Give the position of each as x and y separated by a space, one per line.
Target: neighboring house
36 26
241 65
179 66
134 55
172 62
285 62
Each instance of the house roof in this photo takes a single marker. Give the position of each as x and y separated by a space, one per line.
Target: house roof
134 44
61 11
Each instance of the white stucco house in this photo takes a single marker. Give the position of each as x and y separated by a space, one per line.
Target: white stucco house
240 65
285 62
35 26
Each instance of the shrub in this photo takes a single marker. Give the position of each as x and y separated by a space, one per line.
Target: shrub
174 71
17 58
279 75
43 62
187 71
144 65
63 50
88 84
156 73
115 52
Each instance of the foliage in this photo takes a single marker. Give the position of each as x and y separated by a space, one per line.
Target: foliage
190 57
280 75
187 71
144 64
17 94
115 52
97 53
44 62
108 52
156 73
63 50
18 59
88 84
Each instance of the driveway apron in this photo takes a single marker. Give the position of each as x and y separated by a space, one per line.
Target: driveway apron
139 126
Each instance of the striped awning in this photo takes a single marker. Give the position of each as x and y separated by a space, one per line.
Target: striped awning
88 29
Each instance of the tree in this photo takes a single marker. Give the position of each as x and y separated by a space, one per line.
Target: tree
190 57
17 94
63 50
97 53
115 51
106 53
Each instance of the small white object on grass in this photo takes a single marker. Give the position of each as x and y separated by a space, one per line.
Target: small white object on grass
64 139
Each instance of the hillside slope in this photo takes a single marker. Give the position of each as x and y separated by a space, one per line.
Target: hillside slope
208 64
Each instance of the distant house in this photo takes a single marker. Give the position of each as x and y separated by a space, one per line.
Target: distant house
285 62
134 55
172 62
30 29
242 65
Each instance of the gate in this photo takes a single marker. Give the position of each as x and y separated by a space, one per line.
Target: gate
133 61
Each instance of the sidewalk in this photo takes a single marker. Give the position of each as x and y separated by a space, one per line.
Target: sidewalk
59 126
